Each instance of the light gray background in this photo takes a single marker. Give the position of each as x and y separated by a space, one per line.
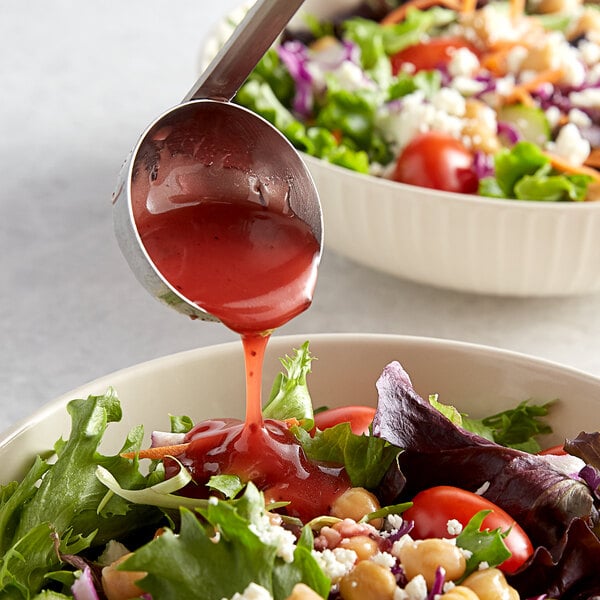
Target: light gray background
79 82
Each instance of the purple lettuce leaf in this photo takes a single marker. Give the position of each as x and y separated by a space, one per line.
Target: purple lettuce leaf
570 572
585 446
542 499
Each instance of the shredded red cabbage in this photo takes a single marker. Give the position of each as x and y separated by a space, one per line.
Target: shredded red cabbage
483 165
437 589
508 131
294 55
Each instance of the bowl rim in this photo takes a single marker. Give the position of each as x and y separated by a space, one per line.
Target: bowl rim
287 342
443 196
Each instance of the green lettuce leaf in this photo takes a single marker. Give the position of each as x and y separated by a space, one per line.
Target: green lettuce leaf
514 428
289 396
524 172
54 508
198 563
365 458
486 546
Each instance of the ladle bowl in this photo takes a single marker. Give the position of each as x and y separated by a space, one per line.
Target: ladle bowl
209 148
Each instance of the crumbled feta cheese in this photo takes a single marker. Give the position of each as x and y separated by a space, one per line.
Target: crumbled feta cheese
515 58
579 118
335 563
483 565
394 522
253 592
351 77
570 145
454 527
400 594
275 535
385 559
466 553
571 65
450 102
467 86
589 52
448 585
553 114
505 85
398 544
213 500
416 115
588 98
463 62
593 74
416 588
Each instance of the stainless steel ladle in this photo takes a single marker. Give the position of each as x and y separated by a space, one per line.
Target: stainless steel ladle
217 149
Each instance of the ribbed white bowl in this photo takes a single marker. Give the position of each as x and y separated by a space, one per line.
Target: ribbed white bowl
455 241
458 241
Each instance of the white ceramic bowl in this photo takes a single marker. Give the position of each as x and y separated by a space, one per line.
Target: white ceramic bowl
455 241
209 382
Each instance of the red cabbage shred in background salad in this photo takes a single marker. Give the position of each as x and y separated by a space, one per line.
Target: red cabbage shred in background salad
81 519
492 98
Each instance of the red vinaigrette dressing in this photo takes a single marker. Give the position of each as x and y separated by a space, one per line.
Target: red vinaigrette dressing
254 268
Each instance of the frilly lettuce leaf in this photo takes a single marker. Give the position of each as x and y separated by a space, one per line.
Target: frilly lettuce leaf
524 172
365 458
54 508
289 396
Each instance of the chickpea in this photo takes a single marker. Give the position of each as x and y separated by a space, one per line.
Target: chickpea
302 592
368 581
425 556
460 592
588 24
480 126
120 585
354 504
363 545
490 584
557 6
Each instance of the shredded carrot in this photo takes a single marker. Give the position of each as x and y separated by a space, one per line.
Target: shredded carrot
521 93
547 76
468 7
593 160
494 60
399 14
517 9
158 452
563 165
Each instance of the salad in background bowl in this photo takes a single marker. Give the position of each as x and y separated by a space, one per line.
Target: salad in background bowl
411 117
56 531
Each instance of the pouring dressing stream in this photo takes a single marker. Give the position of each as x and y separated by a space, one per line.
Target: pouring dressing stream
219 218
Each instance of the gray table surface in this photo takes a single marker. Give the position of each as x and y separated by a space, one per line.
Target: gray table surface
79 83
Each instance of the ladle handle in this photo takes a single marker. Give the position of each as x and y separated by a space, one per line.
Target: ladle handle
252 38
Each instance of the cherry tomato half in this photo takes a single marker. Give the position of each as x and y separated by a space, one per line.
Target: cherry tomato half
434 507
439 161
427 56
359 417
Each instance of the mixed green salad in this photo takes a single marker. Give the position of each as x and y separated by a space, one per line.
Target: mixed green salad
424 479
494 98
